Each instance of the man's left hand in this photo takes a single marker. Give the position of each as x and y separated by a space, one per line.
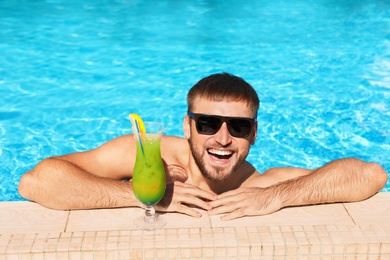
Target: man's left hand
245 202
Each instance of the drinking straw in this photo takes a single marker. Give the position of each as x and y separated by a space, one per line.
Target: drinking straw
136 132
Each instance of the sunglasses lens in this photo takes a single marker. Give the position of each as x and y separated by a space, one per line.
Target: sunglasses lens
239 127
208 125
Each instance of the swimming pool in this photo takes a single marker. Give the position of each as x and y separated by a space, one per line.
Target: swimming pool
70 73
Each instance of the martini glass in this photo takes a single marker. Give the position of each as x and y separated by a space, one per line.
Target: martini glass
148 180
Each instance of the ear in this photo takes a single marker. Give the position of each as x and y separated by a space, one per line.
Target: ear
254 134
187 127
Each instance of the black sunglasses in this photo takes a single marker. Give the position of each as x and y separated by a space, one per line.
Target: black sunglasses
210 124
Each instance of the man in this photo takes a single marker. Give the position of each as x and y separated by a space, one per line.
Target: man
205 170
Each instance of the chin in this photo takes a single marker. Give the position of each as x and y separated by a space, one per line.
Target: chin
217 176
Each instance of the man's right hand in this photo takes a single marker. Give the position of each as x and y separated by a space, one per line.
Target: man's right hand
185 198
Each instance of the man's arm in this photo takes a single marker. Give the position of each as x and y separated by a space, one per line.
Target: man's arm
84 180
344 180
59 184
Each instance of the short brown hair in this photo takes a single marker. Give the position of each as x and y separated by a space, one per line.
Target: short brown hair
224 87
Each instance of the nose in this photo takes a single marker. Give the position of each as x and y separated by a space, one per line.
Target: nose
223 136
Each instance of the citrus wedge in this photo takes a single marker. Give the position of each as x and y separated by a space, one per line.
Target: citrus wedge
136 120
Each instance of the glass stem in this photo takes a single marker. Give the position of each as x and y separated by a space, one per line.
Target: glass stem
150 214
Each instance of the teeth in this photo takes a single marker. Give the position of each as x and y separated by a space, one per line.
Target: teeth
219 152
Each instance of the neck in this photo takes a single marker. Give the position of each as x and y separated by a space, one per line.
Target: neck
196 178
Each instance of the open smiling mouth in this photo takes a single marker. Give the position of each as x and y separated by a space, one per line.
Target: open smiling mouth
220 154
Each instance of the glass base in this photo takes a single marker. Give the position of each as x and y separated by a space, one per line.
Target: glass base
147 223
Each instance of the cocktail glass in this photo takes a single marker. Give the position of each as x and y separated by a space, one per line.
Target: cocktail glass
148 180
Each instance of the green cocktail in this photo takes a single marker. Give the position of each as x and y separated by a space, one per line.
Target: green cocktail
148 175
148 180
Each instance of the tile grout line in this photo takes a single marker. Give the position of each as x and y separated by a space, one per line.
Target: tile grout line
349 214
67 222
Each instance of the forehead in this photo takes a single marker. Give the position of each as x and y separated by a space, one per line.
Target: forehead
222 108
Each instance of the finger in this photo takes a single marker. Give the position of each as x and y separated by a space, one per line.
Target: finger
230 204
220 207
190 200
232 211
196 202
233 215
189 211
180 192
181 209
195 191
223 201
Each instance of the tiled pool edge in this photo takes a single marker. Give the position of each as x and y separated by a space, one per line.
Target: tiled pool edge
362 231
318 242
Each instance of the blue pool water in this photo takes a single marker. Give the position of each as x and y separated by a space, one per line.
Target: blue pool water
71 71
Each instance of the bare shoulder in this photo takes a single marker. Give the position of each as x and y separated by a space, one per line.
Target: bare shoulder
169 139
174 149
175 152
275 175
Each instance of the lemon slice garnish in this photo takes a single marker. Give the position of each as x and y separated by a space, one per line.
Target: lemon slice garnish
136 120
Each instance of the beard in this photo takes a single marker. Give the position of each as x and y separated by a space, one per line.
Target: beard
215 173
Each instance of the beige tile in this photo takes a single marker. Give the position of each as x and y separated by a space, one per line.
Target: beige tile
371 211
301 232
176 220
328 214
27 217
123 219
103 219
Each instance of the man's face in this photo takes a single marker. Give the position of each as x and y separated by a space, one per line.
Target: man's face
219 155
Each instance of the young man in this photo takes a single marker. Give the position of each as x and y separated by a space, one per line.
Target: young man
205 170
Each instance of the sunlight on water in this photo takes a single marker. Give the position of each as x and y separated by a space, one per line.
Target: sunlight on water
70 73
